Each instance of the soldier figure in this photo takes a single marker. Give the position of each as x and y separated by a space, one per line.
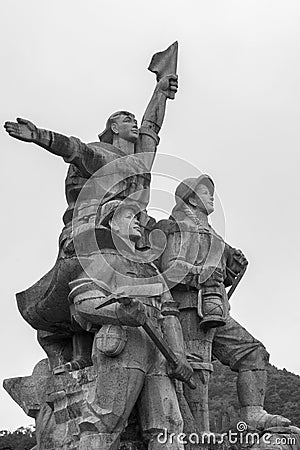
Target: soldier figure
130 368
199 265
45 304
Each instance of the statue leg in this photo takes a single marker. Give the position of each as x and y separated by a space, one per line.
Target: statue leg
82 343
159 412
119 383
69 348
198 400
251 387
199 346
82 348
58 347
235 347
106 416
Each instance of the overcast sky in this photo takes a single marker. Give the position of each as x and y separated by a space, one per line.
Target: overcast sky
66 65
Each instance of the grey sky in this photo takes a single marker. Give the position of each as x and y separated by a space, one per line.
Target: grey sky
66 65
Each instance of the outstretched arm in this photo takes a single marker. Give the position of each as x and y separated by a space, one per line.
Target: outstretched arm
26 131
86 158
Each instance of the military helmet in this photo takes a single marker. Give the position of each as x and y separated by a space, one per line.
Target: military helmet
107 210
188 186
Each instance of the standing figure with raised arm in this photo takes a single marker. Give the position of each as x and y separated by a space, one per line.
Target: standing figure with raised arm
45 304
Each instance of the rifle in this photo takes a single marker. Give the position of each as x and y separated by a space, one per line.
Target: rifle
237 280
124 296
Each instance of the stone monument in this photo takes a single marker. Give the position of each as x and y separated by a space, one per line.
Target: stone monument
129 338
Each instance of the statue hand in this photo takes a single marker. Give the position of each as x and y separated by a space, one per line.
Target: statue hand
168 85
182 371
132 314
239 256
23 129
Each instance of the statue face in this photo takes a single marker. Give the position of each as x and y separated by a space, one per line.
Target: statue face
125 126
126 224
204 199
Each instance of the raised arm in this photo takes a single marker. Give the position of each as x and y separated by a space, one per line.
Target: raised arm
153 118
155 111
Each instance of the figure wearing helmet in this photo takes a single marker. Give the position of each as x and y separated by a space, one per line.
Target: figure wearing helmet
130 368
199 265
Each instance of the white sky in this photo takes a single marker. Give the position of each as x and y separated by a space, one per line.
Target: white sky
66 65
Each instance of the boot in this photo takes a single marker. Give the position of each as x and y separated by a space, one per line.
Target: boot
251 387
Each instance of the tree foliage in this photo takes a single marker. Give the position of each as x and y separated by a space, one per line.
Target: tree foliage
282 396
21 439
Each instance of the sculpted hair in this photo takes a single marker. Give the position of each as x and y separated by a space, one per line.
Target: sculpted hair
117 114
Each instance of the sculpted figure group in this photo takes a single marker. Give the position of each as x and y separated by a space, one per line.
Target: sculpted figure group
147 327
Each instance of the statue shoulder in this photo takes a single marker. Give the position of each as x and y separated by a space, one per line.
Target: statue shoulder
105 148
168 226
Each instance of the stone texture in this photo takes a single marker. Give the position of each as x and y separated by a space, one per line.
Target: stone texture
29 392
87 409
58 404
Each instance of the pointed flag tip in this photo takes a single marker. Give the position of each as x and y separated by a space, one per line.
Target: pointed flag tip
165 62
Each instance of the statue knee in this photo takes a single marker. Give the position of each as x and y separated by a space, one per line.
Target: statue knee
258 359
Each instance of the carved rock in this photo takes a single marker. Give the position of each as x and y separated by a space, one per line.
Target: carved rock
58 403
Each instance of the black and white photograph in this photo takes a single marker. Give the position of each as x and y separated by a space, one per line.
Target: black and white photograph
150 218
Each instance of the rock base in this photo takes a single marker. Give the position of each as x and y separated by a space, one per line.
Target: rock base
59 404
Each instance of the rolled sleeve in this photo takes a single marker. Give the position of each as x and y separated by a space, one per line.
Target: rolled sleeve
147 144
86 158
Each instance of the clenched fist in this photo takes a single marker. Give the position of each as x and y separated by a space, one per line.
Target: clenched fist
168 85
239 256
132 314
182 371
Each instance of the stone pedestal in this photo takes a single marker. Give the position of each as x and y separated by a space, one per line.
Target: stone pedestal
59 404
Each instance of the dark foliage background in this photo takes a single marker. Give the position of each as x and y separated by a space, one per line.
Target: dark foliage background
282 397
21 439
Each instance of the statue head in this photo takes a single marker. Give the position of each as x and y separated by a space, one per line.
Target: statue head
121 124
122 218
197 193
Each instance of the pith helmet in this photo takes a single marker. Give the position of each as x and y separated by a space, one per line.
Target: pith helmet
188 186
108 209
107 134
